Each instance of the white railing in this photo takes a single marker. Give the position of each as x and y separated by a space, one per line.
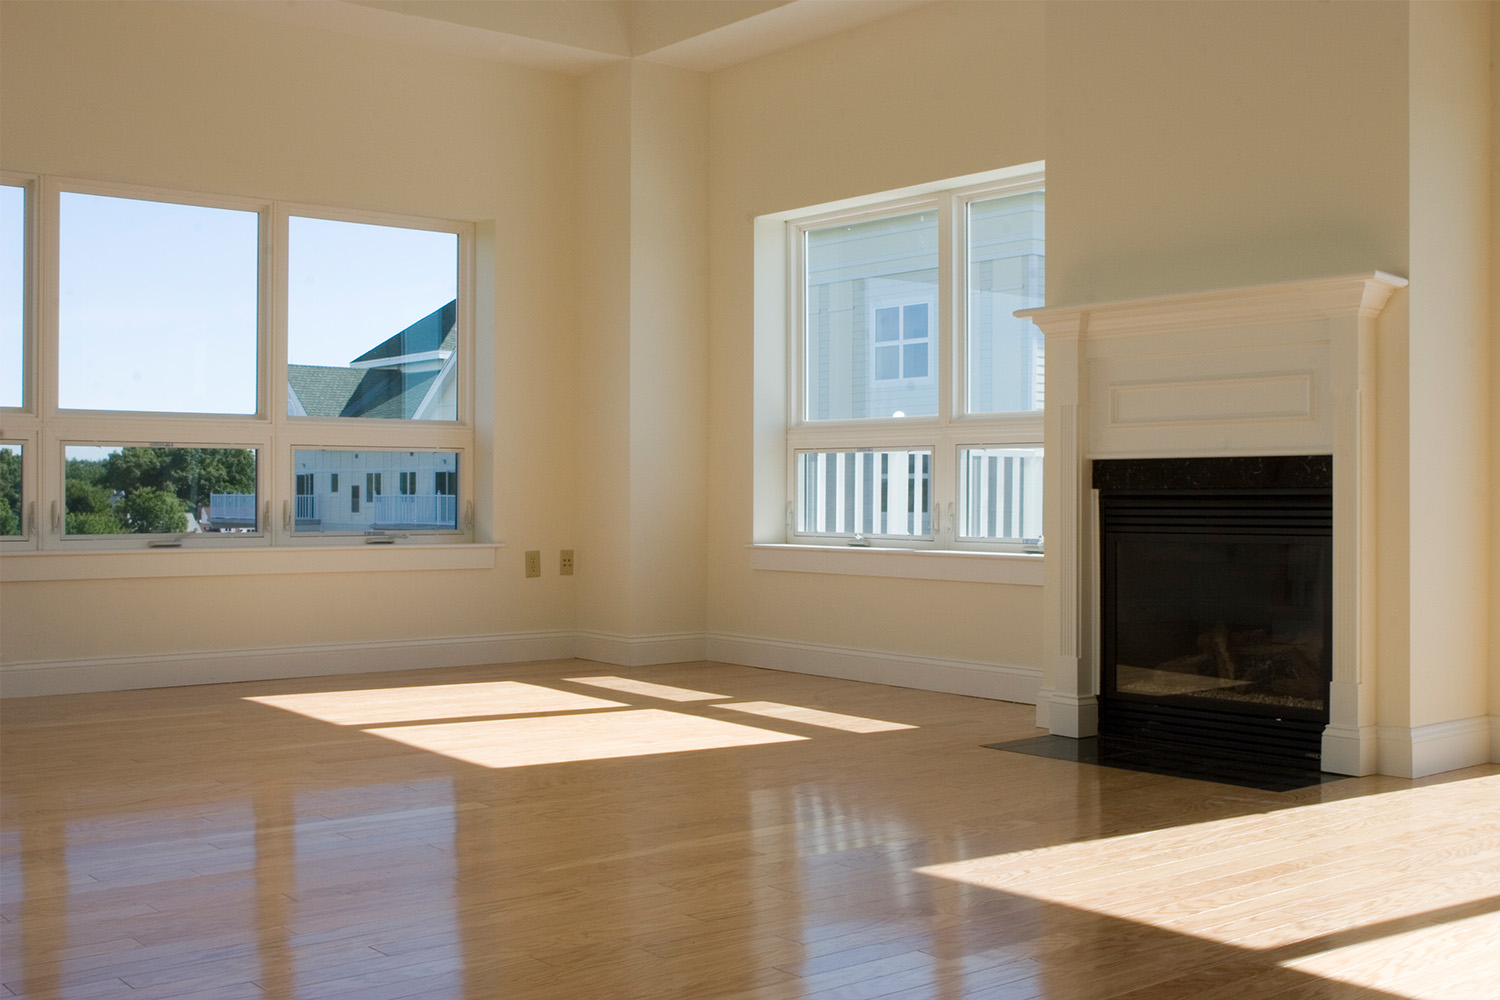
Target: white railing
307 507
865 492
402 510
231 507
1002 493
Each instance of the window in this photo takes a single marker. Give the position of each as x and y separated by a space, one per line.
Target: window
915 394
218 362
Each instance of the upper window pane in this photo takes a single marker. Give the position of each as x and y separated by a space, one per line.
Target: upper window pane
371 321
157 306
12 293
1006 273
871 294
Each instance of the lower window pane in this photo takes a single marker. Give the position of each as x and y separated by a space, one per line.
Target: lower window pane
344 491
123 490
880 493
10 489
1001 491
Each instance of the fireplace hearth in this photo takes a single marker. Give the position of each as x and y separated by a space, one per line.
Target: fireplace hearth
1216 604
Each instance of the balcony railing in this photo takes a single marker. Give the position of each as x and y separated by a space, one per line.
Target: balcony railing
415 511
235 509
307 507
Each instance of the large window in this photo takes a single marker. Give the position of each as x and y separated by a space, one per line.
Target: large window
916 394
212 367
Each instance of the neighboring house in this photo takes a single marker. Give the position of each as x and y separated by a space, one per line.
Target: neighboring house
410 376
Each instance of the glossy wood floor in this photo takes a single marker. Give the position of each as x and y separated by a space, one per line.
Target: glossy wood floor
572 831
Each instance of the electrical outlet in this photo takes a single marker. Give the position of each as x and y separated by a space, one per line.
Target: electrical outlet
533 562
565 563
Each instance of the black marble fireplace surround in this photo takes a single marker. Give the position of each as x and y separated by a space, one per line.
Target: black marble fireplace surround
1216 605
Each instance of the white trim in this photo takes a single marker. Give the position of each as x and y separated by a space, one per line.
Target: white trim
1021 569
639 650
133 564
1432 749
1350 750
968 677
120 673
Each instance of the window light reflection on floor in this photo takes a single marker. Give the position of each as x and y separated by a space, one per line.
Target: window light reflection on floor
1293 883
815 717
630 686
571 738
373 706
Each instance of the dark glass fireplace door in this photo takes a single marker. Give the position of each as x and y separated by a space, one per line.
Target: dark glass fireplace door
1216 617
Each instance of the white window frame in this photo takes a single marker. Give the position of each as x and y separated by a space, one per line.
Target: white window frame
951 429
43 429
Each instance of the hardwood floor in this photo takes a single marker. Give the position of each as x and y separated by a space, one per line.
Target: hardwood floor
572 831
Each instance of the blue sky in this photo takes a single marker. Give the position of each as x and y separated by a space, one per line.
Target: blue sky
158 302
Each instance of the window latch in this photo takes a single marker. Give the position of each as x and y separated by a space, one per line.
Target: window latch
31 518
286 514
56 519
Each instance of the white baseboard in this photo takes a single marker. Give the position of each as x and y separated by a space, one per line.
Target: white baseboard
1072 715
982 680
120 673
1442 746
1495 739
638 650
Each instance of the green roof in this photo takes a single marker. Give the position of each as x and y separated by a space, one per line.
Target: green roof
437 331
358 392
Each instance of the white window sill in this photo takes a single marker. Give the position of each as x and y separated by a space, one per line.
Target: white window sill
1023 569
18 567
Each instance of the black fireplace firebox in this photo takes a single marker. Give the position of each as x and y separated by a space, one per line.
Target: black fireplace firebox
1216 605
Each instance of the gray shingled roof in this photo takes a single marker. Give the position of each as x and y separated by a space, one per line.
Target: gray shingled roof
437 331
358 392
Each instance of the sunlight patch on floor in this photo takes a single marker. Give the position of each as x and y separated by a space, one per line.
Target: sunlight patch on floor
373 706
627 685
815 717
571 738
1275 881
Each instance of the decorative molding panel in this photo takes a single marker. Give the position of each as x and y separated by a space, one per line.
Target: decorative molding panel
1200 401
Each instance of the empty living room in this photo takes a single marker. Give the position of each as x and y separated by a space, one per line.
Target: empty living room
768 500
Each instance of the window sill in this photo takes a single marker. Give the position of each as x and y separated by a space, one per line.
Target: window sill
16 567
1023 569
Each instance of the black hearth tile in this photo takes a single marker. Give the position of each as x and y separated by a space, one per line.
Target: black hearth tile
1268 776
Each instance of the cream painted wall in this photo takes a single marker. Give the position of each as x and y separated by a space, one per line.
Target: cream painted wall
199 98
1494 373
668 348
939 92
1448 362
602 398
1212 145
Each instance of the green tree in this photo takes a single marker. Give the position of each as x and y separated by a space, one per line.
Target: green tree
86 470
90 523
129 469
10 492
149 510
84 498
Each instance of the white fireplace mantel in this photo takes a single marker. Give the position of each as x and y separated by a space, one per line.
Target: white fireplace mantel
1281 369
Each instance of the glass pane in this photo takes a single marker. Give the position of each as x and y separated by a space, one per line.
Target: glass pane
914 361
382 491
1006 273
372 321
10 489
865 492
1001 494
860 276
159 490
157 306
12 293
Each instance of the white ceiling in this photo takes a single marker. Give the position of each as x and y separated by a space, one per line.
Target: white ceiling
577 36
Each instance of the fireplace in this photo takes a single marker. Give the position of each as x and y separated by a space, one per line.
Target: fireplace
1188 386
1216 604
